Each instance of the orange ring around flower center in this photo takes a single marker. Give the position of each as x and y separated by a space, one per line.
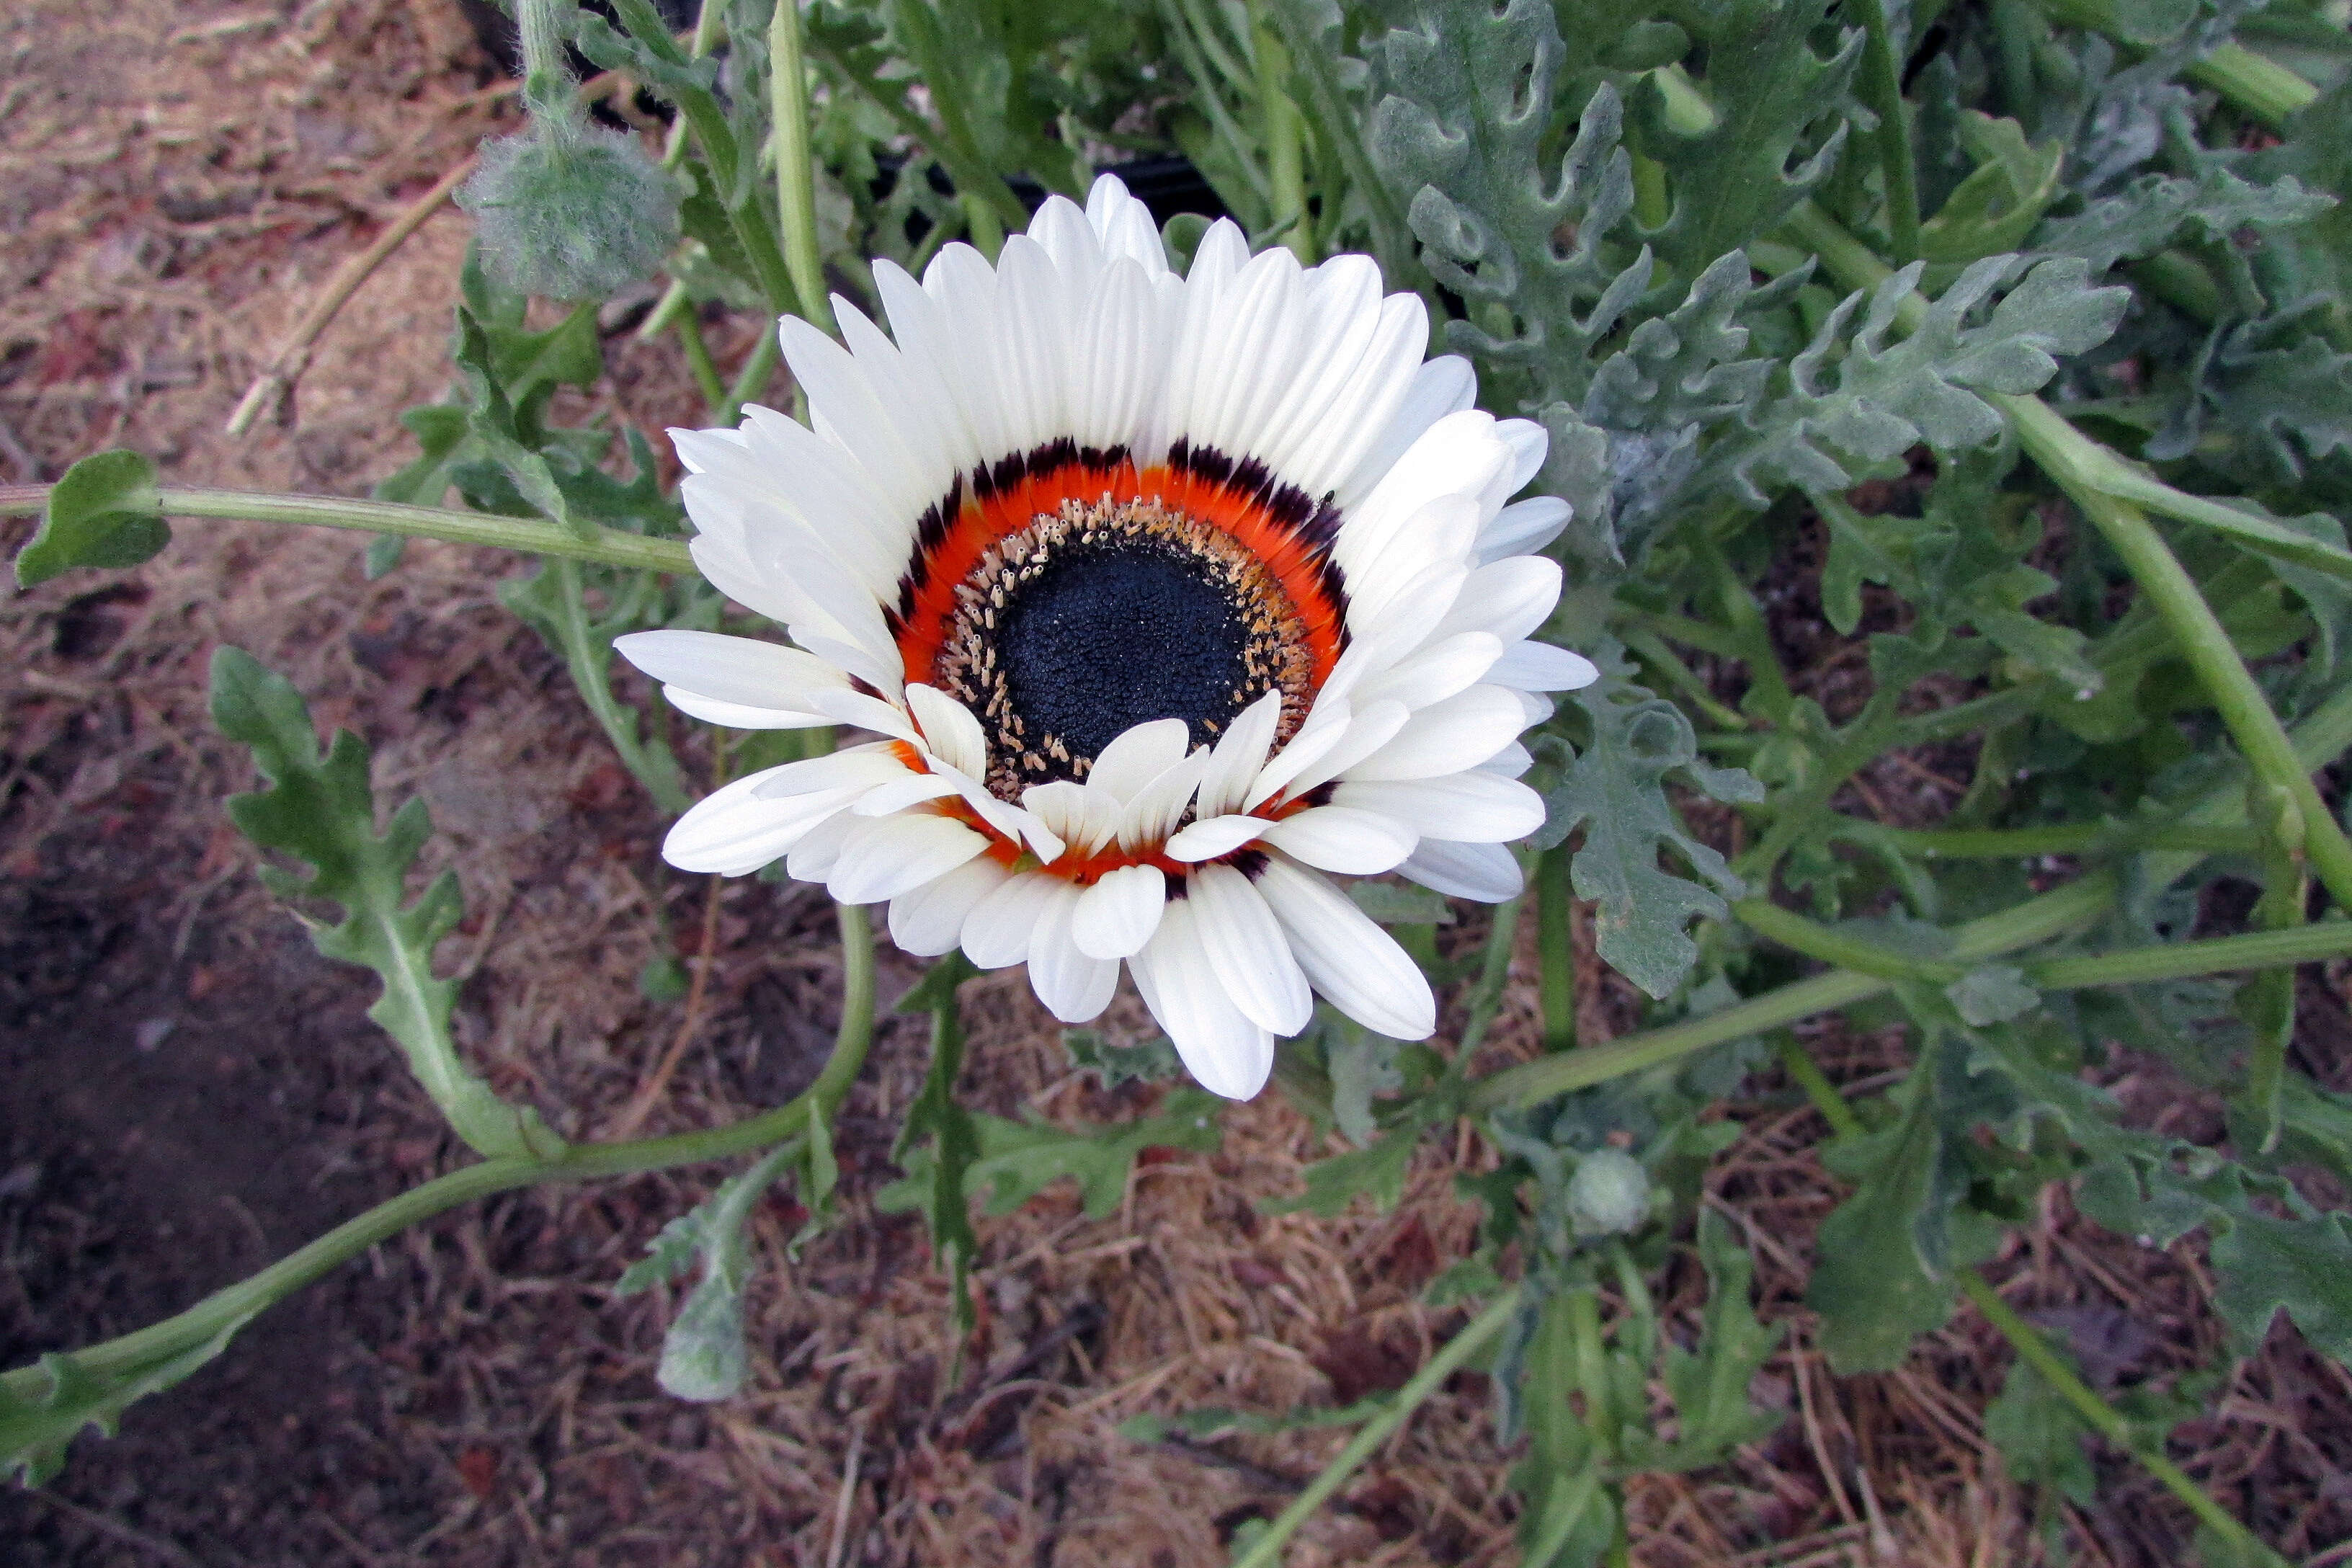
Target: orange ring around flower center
982 521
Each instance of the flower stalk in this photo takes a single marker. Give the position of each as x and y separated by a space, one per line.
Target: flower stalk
795 170
531 536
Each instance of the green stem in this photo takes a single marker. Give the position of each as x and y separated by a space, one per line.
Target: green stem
1266 1551
699 359
2323 735
2102 1418
1284 142
795 170
532 536
2037 920
1882 83
589 658
1807 1075
1662 663
751 381
1583 1307
1391 241
1831 946
1555 950
2262 87
1487 993
2058 838
2184 960
225 1310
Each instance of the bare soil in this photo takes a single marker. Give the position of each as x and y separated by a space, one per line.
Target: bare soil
187 1090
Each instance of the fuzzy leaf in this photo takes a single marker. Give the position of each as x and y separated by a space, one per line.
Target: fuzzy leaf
2300 1267
43 1407
323 811
1616 791
1015 1161
1765 150
2159 210
1153 1061
105 512
1710 1382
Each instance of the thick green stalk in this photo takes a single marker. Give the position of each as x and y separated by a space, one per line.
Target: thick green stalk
759 367
2278 949
225 1309
532 536
2262 87
2102 1418
589 660
2094 478
2058 838
1392 241
1266 1549
795 172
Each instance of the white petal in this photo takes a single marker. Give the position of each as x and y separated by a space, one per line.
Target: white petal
1436 672
1159 805
1125 225
1213 835
996 932
893 855
1486 872
1117 915
812 858
1352 962
1138 755
884 800
1441 386
1372 729
1538 667
865 766
1220 1047
864 712
928 921
735 716
1523 528
1474 807
730 670
1457 733
1084 819
950 732
1240 753
1073 986
1509 598
1247 950
733 830
1342 837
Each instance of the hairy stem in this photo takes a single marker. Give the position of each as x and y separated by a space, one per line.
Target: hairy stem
1555 950
1881 80
532 536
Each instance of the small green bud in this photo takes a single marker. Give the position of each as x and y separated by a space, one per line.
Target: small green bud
1609 1193
571 212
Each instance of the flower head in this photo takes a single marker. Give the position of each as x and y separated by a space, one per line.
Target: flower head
1171 599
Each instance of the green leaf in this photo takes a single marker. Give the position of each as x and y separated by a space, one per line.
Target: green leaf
938 1174
323 811
1377 1173
35 1432
1153 1061
2159 210
1996 207
1778 128
105 512
2041 1441
1615 791
703 1354
1884 1259
1400 903
2300 1267
1018 1160
1991 993
1887 397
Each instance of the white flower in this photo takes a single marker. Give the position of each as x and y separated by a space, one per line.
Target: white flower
1171 597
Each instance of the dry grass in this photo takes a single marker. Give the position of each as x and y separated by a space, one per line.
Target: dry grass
174 181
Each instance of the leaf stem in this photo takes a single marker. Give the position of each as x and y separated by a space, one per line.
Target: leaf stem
532 536
2103 1418
225 1309
1266 1549
788 107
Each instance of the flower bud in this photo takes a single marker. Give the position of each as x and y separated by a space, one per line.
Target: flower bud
1609 1193
571 212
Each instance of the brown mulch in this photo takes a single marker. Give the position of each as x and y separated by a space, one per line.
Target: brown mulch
186 1090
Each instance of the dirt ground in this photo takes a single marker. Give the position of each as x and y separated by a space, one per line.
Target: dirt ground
187 1090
